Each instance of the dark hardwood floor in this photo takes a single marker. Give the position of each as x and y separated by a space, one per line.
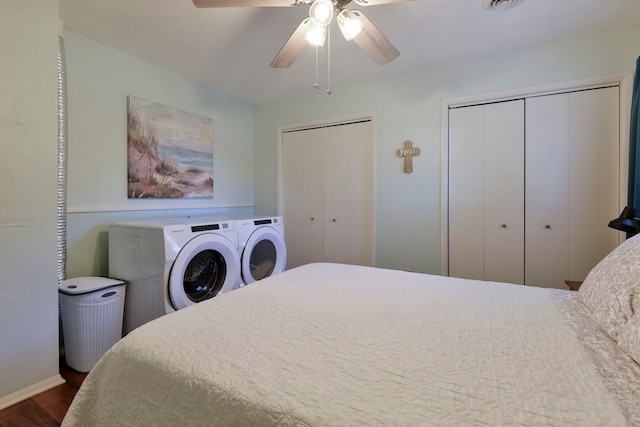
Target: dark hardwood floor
45 409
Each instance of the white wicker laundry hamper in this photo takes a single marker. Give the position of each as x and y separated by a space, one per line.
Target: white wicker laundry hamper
92 311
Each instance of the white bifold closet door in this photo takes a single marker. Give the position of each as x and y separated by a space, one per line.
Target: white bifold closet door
572 183
328 197
486 192
532 185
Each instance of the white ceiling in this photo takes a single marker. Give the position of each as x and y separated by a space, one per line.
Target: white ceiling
230 49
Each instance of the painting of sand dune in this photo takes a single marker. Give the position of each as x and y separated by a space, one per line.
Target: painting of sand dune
170 152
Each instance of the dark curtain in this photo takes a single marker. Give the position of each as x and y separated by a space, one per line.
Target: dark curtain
634 142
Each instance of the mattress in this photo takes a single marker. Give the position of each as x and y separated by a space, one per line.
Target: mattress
337 345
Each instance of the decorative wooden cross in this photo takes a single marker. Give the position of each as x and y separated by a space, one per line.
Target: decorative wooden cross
408 151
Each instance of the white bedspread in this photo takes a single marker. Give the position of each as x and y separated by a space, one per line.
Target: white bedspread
336 345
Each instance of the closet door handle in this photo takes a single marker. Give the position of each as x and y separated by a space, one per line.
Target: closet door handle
311 218
547 227
334 220
503 225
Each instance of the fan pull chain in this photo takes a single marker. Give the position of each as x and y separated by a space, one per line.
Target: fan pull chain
316 85
329 61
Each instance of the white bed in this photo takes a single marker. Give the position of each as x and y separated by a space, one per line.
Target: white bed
338 345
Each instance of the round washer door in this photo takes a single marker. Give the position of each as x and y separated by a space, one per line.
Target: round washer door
207 265
264 254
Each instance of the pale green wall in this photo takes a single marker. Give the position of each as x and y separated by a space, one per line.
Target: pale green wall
409 107
28 187
99 80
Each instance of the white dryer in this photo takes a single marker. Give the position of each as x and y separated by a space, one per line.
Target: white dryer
262 249
171 264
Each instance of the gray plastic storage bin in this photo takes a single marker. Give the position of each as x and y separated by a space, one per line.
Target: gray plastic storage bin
92 310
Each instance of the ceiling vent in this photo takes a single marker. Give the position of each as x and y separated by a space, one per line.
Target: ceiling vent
497 5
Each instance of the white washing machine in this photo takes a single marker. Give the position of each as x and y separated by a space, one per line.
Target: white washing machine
262 249
171 264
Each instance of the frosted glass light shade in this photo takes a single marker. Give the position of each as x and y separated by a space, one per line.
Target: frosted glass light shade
321 12
316 34
349 23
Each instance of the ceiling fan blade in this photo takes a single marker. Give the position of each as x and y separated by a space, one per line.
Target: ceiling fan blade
292 48
376 2
372 41
244 3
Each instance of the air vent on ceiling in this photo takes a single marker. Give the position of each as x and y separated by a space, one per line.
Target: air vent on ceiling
497 5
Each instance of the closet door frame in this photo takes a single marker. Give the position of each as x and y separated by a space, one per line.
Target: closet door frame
625 83
333 121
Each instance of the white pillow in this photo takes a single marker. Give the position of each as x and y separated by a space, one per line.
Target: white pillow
630 338
612 288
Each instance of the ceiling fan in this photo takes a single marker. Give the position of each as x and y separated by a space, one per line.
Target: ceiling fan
353 24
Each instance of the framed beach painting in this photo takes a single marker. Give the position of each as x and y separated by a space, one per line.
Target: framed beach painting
170 152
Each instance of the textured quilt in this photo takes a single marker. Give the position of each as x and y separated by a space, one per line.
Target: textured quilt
337 345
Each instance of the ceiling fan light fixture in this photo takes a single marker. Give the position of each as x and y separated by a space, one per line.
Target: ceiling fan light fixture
316 33
350 23
321 12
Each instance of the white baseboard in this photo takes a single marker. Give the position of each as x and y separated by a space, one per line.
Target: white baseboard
30 391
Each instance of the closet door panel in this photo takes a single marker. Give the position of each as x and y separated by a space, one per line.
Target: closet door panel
304 192
504 192
547 191
313 206
466 192
336 163
292 183
360 194
594 179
